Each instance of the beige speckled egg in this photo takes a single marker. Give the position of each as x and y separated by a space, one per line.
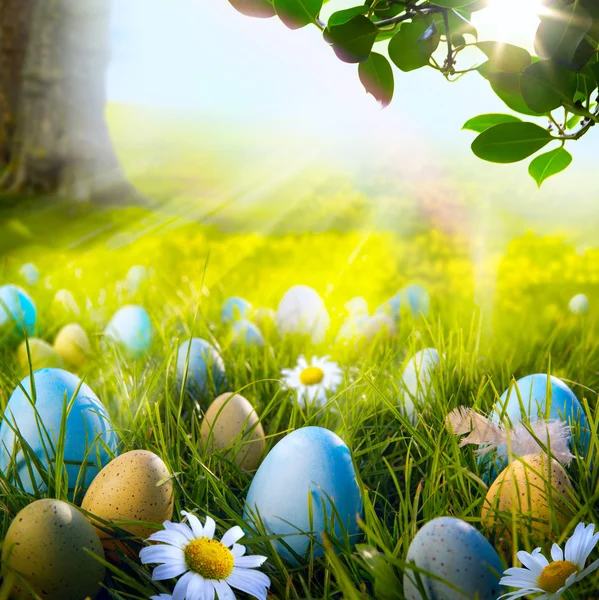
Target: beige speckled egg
543 504
42 356
45 545
127 489
231 422
73 345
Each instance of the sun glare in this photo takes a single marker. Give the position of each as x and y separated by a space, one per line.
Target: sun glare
512 21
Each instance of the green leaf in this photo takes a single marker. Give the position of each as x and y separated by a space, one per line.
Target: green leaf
510 142
452 3
549 164
343 16
507 88
459 23
483 122
297 13
262 9
504 58
545 85
407 50
352 41
376 76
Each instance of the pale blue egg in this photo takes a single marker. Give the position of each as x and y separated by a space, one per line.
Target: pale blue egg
416 299
579 305
245 333
200 367
391 308
131 328
136 276
234 309
313 466
88 429
533 392
30 274
17 311
458 554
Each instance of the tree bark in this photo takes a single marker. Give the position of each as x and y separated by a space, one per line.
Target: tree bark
61 144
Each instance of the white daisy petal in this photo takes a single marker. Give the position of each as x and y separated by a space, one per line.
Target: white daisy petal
223 590
209 528
169 571
251 582
250 562
556 552
199 588
161 597
194 523
161 554
592 567
238 550
232 536
174 538
180 591
183 529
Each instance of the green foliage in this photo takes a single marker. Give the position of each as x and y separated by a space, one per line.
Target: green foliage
549 164
483 122
559 85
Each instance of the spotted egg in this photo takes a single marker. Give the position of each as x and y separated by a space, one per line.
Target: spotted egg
292 492
73 345
131 329
232 427
40 354
235 308
17 311
455 554
47 547
135 486
200 368
89 436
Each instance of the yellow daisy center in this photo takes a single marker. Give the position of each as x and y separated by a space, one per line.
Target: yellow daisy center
311 376
554 575
209 558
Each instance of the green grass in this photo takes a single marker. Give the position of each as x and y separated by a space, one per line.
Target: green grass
408 473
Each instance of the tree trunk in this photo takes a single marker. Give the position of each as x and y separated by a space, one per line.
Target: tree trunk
61 144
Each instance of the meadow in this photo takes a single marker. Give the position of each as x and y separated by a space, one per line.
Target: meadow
494 317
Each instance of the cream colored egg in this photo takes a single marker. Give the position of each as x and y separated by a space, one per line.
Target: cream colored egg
232 424
540 501
135 486
41 354
73 345
47 545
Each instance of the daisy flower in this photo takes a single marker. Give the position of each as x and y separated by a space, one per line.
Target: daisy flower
552 579
207 566
313 379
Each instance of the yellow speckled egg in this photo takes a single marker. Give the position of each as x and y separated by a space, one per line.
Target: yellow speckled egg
73 345
45 547
231 422
542 502
135 486
42 356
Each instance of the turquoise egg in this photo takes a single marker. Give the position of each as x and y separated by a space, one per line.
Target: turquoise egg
455 552
88 429
234 309
390 307
244 333
416 299
313 466
563 405
131 328
17 311
200 367
30 274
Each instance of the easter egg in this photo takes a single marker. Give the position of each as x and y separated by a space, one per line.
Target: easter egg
88 430
244 333
235 308
293 488
579 305
415 299
455 553
65 302
30 274
135 486
17 311
200 367
131 328
232 424
541 500
73 345
302 311
353 328
48 545
356 306
379 325
136 277
416 380
390 308
41 355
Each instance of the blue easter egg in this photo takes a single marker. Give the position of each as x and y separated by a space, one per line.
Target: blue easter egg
390 307
30 274
131 328
17 310
200 367
245 333
456 554
88 429
416 300
533 391
234 309
314 464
